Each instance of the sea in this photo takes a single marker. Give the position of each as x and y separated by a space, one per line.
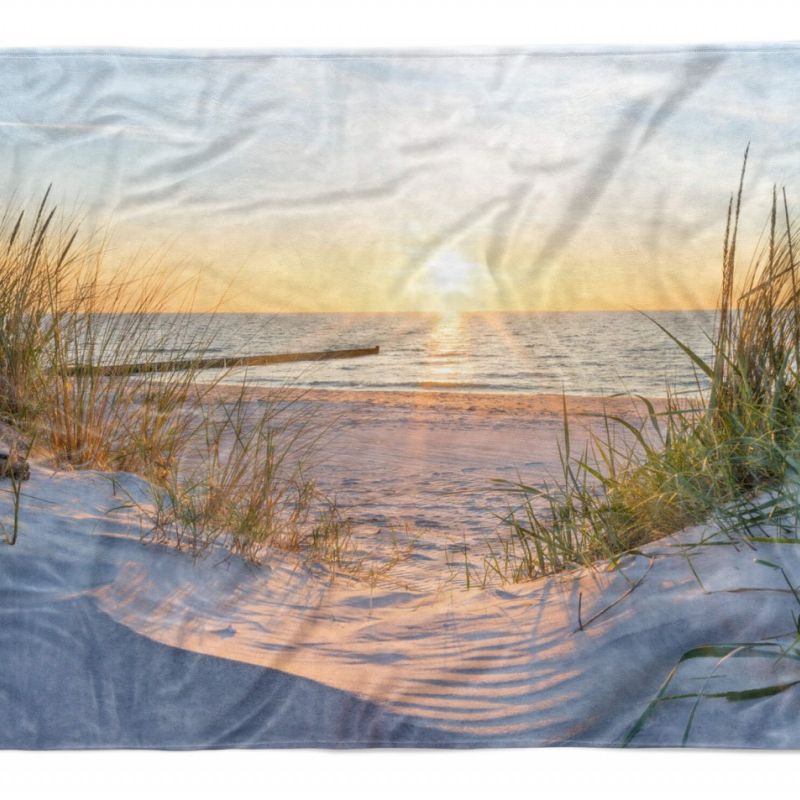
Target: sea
584 353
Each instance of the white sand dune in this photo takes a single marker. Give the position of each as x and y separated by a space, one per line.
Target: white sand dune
71 676
420 664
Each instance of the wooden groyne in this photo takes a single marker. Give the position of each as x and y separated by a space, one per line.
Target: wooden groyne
115 370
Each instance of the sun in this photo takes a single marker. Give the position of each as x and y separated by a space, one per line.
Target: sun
450 283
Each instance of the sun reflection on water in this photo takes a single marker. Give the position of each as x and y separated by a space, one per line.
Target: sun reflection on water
448 342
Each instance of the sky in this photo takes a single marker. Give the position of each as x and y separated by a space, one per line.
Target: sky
428 182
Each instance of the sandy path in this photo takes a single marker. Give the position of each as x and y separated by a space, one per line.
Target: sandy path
424 467
495 665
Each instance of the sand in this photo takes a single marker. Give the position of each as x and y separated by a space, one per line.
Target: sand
429 467
110 642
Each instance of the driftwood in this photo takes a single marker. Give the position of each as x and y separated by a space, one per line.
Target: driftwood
116 370
14 467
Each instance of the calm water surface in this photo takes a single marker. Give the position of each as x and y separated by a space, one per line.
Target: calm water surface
580 353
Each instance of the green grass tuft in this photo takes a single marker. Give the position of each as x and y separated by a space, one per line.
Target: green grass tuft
689 459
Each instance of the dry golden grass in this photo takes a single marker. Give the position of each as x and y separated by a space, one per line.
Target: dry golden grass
234 473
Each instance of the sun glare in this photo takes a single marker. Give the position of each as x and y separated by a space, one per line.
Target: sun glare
450 283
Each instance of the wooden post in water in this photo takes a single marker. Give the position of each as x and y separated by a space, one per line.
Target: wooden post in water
117 370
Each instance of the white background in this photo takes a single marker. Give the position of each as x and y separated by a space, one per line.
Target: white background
383 24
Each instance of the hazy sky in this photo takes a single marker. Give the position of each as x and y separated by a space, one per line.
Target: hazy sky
418 183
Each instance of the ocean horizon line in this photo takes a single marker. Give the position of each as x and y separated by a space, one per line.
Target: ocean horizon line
431 313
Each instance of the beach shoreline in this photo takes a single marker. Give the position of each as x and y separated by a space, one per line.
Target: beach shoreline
547 404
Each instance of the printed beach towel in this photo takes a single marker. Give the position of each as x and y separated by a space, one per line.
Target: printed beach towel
400 399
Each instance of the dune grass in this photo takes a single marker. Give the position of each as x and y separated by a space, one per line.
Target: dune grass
228 471
58 318
692 459
242 481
